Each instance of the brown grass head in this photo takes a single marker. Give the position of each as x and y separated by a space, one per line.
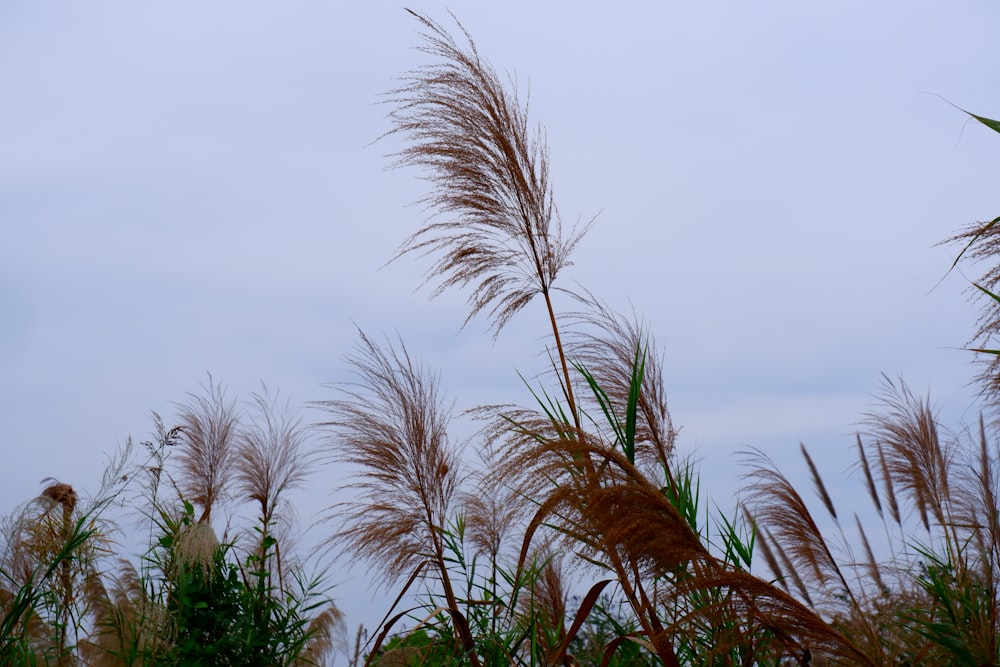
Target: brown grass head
127 621
497 231
605 343
973 512
750 613
607 503
890 490
512 434
613 516
852 595
209 430
491 511
777 560
327 636
983 504
272 454
916 460
762 545
62 494
767 542
598 502
391 424
777 505
869 477
618 509
980 242
818 482
543 605
871 564
31 537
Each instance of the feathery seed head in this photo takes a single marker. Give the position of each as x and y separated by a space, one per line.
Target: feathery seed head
196 546
392 425
498 231
207 446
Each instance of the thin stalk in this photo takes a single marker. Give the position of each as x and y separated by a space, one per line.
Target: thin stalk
462 626
646 616
458 620
562 360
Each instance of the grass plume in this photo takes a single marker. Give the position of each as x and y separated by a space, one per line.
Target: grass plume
498 231
915 458
495 228
392 424
606 343
208 438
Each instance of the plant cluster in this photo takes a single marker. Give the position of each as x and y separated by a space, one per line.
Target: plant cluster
576 535
588 481
69 597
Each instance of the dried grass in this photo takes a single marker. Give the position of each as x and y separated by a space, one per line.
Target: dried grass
273 457
778 505
391 425
209 431
497 231
914 456
980 243
605 343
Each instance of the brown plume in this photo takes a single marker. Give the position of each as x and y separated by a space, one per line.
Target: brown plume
605 343
497 230
392 425
916 459
209 425
272 454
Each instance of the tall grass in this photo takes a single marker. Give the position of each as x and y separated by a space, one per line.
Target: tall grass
497 230
72 595
593 466
392 424
933 598
570 465
582 489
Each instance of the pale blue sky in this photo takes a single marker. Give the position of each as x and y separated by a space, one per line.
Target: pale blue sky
191 187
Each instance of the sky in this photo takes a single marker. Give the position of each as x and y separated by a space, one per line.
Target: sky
198 187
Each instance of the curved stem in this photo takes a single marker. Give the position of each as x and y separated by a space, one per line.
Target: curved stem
461 625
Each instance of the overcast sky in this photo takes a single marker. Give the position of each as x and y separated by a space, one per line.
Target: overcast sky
192 187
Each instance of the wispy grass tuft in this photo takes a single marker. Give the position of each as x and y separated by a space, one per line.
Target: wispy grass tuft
273 457
498 231
606 343
914 456
209 429
494 226
392 425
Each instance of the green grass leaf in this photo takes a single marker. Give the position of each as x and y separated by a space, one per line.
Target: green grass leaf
988 122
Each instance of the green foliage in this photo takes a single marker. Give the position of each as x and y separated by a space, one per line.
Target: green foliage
420 646
192 600
35 600
624 433
606 634
487 604
224 611
223 619
961 614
